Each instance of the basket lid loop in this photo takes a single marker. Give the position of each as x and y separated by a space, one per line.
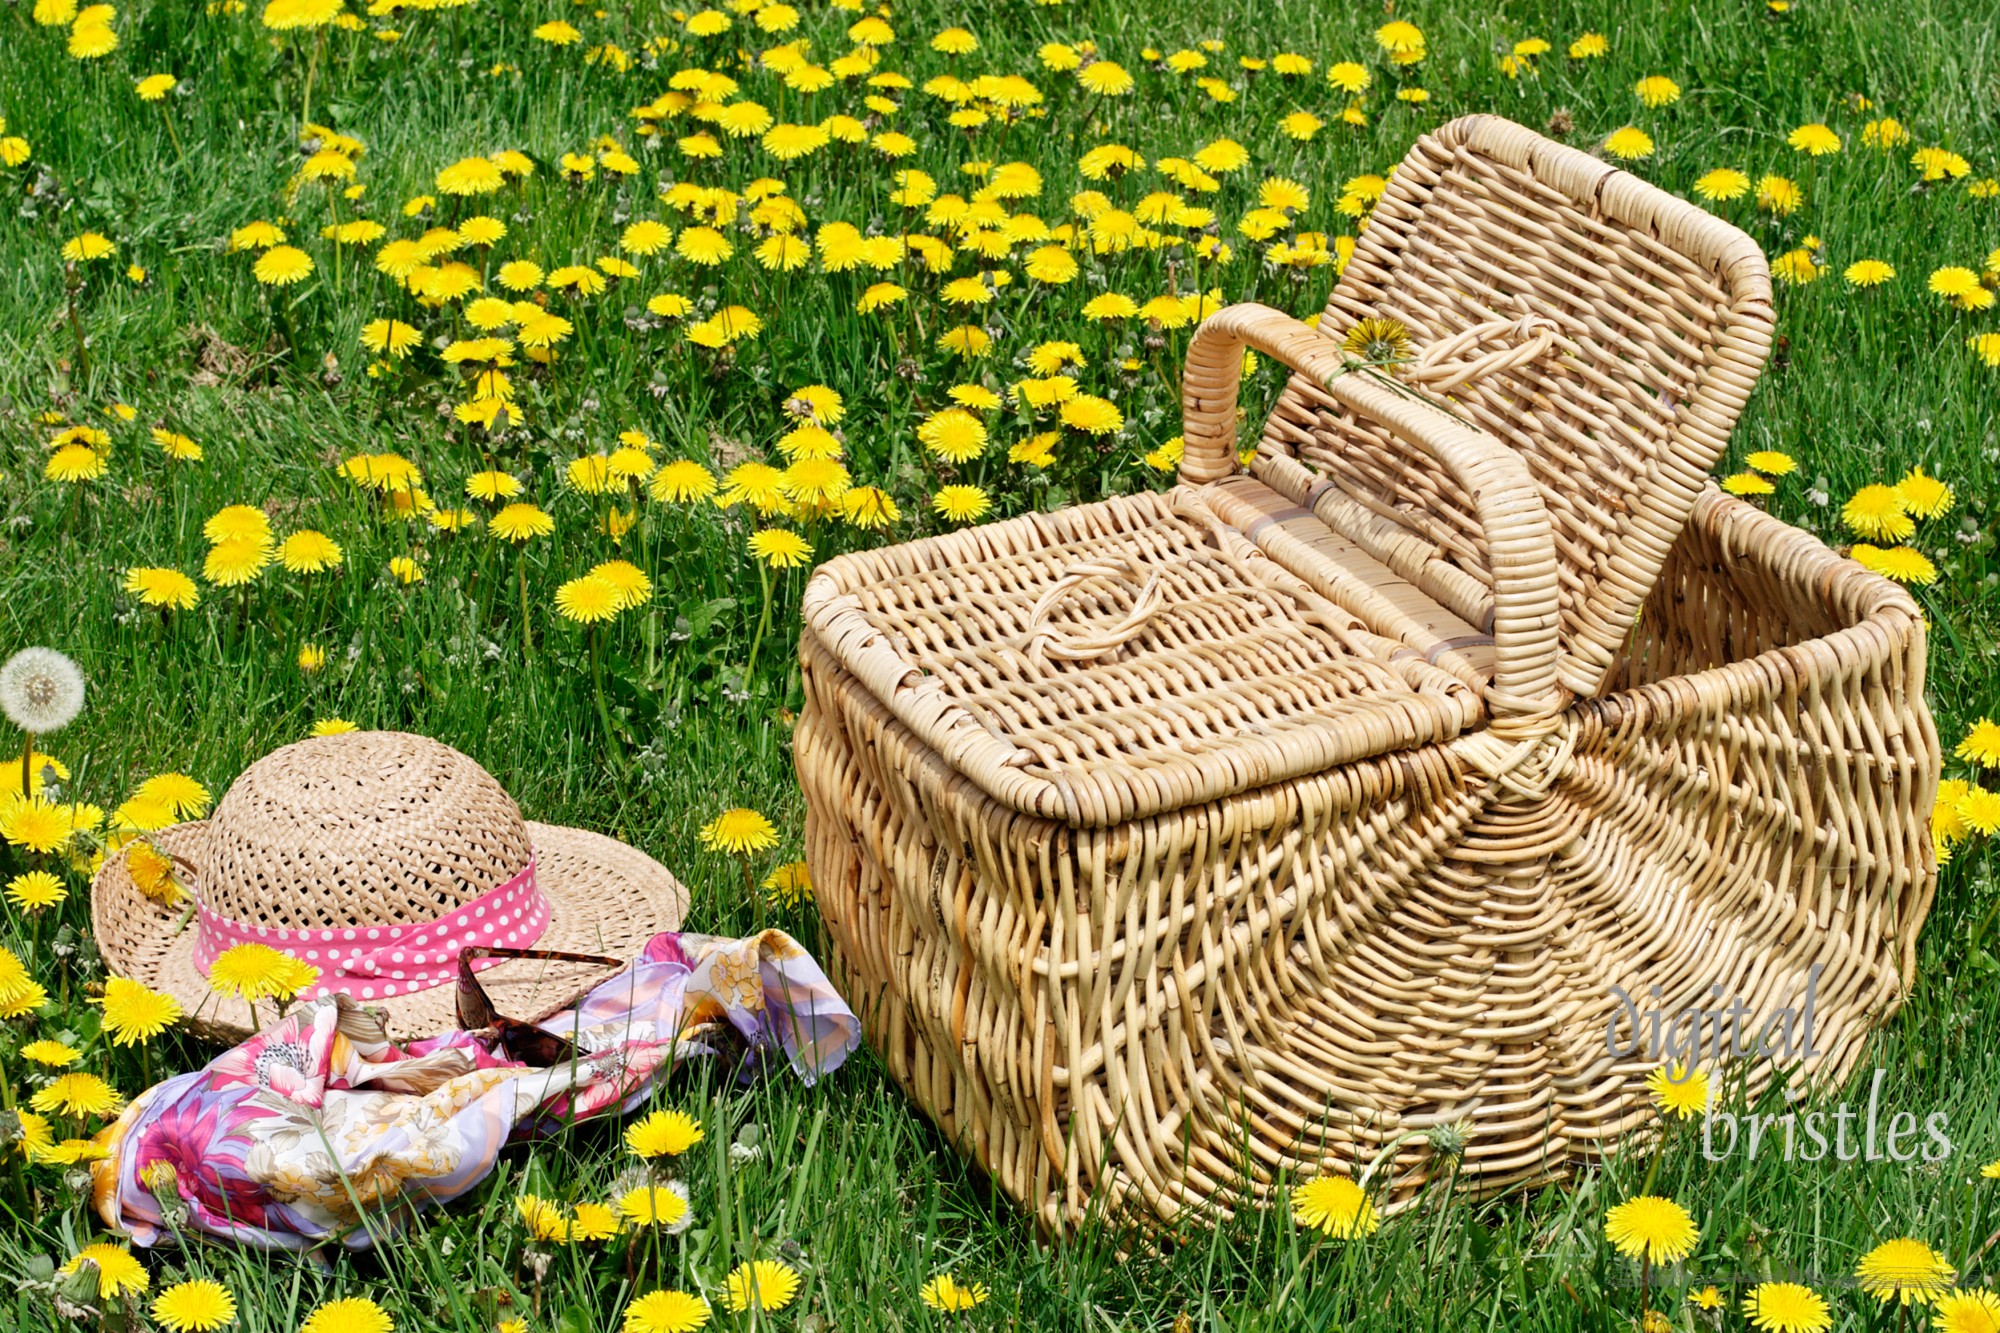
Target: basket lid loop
1043 642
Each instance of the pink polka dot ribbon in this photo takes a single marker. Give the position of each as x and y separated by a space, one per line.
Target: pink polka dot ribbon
377 962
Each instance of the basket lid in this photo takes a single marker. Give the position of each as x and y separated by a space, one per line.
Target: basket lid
1116 660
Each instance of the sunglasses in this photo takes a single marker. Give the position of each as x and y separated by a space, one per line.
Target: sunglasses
525 1042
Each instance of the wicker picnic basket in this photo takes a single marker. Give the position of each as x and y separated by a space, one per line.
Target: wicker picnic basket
1182 845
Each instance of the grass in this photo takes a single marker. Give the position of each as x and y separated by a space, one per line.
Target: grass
850 1183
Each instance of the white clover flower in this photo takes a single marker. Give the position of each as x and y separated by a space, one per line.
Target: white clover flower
41 690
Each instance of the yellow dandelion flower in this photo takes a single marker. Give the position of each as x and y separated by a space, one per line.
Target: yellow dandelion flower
766 1284
664 1133
1336 1206
1648 1225
739 831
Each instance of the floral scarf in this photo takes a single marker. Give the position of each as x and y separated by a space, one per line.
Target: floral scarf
321 1129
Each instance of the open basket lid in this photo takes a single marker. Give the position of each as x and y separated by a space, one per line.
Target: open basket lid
1605 330
1121 659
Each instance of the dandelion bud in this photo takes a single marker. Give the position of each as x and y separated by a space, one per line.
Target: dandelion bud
1447 1140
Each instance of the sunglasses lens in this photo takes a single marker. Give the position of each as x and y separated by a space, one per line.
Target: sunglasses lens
534 1046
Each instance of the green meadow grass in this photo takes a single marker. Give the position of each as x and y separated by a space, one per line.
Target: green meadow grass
850 1183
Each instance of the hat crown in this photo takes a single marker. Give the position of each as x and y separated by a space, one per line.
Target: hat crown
370 828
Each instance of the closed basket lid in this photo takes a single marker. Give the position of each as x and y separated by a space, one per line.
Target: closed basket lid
1113 661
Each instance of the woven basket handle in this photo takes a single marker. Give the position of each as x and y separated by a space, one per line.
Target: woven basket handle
1525 695
1043 642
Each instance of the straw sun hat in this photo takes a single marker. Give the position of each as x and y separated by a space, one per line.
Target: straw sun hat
376 856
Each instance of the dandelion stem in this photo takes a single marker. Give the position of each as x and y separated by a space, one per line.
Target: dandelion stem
76 328
763 623
597 687
27 763
175 135
750 892
312 68
521 569
333 209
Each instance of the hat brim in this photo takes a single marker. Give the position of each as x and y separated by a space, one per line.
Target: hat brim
604 898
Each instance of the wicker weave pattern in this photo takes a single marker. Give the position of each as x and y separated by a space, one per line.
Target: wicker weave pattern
1703 757
1661 318
1111 1017
1219 672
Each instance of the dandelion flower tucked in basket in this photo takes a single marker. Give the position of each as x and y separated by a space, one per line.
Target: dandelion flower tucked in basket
1335 1205
1378 341
1658 1229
